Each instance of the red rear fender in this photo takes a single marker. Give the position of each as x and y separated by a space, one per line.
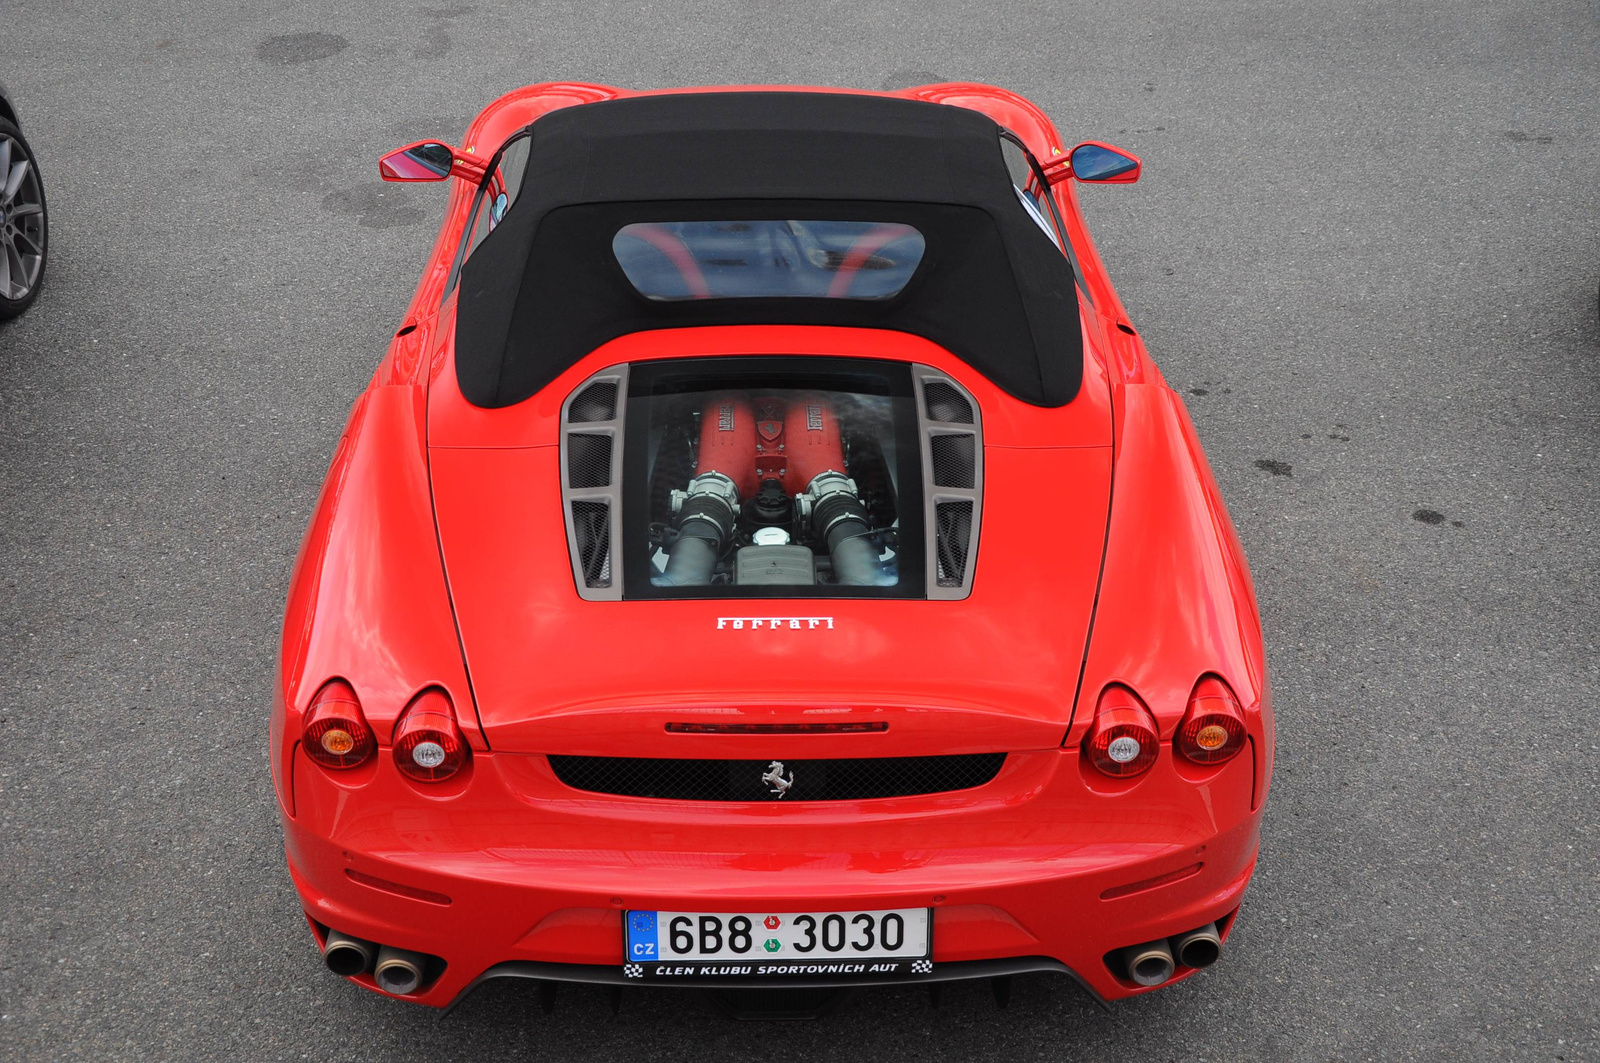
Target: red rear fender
367 599
1175 599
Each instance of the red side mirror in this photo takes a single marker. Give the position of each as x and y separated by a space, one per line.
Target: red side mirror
426 160
429 160
1103 164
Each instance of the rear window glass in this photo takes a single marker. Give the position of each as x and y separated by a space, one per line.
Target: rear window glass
679 260
771 477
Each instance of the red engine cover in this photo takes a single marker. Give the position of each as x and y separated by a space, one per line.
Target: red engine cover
751 441
772 463
728 442
811 441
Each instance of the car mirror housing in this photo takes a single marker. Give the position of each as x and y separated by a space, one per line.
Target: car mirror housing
426 160
1104 164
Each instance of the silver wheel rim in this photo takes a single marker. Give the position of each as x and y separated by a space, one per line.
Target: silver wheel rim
22 232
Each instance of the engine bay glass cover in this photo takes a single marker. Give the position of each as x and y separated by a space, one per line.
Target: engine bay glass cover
772 477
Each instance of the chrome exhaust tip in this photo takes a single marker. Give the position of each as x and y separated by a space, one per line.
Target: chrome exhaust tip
1149 964
1198 948
398 971
347 956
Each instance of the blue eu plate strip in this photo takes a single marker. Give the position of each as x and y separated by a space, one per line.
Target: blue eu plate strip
642 937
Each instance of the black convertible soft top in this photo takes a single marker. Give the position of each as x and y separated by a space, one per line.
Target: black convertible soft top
544 288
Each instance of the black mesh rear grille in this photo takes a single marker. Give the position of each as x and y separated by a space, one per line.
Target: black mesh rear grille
591 522
588 460
952 534
597 402
810 780
946 404
954 460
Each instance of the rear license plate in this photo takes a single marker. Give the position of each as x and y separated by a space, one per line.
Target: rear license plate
777 944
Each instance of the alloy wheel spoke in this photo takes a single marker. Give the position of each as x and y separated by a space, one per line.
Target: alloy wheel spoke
33 247
19 272
5 155
5 269
14 182
23 210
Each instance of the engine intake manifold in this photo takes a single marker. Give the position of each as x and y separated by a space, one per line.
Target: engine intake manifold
705 514
832 505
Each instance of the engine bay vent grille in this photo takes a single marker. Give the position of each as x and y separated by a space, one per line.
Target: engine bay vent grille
852 779
955 460
945 403
952 455
591 499
597 402
588 460
592 523
953 535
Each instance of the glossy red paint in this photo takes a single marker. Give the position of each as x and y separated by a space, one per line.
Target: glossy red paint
420 568
518 624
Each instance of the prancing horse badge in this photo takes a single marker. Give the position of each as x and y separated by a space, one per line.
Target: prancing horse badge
775 781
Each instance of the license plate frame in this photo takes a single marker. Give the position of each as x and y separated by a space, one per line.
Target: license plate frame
651 951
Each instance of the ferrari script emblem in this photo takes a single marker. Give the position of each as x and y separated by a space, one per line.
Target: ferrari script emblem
775 781
774 623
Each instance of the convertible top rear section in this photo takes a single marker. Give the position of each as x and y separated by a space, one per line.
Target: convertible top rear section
542 289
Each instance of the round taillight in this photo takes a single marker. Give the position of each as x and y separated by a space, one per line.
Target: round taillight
1212 731
336 734
1122 740
428 746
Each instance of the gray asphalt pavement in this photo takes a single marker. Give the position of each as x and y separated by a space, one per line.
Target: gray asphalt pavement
1365 250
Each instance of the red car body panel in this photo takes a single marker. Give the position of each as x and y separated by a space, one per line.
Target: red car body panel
520 618
1170 550
518 854
368 602
421 569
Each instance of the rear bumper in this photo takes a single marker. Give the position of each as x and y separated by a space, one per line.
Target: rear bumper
610 975
513 875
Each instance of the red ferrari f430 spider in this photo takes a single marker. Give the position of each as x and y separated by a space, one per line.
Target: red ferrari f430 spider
767 557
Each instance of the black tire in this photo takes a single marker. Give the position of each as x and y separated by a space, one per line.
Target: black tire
24 230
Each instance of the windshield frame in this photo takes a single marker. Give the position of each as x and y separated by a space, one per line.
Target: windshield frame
1061 238
491 177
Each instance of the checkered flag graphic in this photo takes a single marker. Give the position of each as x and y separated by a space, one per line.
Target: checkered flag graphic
921 966
632 970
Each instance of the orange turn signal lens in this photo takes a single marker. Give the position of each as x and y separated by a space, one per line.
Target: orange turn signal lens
337 741
336 733
1212 731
